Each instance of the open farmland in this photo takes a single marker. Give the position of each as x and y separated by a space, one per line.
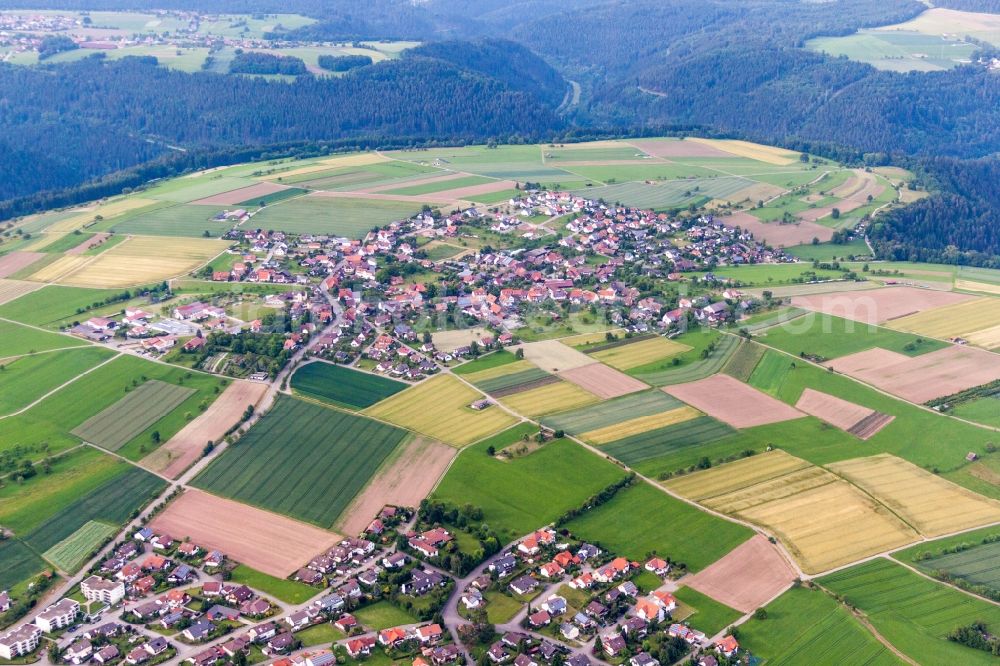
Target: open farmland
709 615
849 417
653 444
318 214
804 623
178 220
72 552
876 306
114 427
823 521
548 399
342 386
53 305
924 377
508 491
913 613
640 425
19 563
957 320
777 234
17 261
692 367
611 412
825 336
184 448
440 408
731 401
507 378
747 577
28 378
276 545
929 503
553 356
302 460
603 381
744 360
238 196
13 289
641 352
641 519
16 340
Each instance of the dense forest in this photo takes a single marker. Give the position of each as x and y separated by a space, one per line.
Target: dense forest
266 63
343 63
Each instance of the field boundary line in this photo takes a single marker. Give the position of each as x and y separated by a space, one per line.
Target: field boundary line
61 386
16 357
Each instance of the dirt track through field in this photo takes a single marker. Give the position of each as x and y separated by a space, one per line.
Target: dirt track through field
603 381
925 377
403 481
875 306
15 261
777 234
186 446
748 577
233 197
260 539
733 402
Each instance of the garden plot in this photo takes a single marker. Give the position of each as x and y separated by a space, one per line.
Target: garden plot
276 545
633 354
931 504
733 402
117 425
440 408
603 381
875 306
925 377
849 417
748 577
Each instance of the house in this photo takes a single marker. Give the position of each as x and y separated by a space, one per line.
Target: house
664 599
280 643
213 559
423 547
79 651
4 601
728 646
504 565
635 626
445 654
643 659
363 645
263 632
498 653
308 576
555 605
657 566
395 560
181 575
649 610
199 630
390 637
524 660
569 631
629 589
188 549
21 641
550 570
524 585
429 634
346 623
578 660
95 588
422 581
540 619
472 598
107 654
138 655
613 645
321 658
58 615
299 620
218 612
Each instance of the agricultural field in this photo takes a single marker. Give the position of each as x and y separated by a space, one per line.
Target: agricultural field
638 353
548 399
19 563
643 450
487 362
879 306
640 425
16 340
289 591
53 306
690 365
338 216
506 378
803 623
117 425
440 408
508 491
342 386
14 289
612 412
977 319
733 402
603 381
641 520
743 361
747 577
302 460
823 521
28 378
178 220
710 616
913 613
855 419
72 552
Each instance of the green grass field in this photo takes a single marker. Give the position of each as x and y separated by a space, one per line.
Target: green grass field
610 412
710 616
320 634
431 188
803 624
19 563
117 425
511 381
657 443
66 242
16 339
896 51
273 197
691 366
342 386
28 378
913 613
743 361
72 552
112 502
179 220
302 460
508 491
642 519
501 609
383 615
487 362
765 275
833 337
983 410
50 307
337 216
288 591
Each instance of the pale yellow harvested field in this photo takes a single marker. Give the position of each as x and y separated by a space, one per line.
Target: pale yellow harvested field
931 504
332 163
823 520
553 356
233 197
449 341
632 355
259 539
667 148
440 408
184 448
41 240
603 381
753 151
589 338
640 425
875 306
988 338
143 259
953 320
733 476
925 377
982 287
731 401
499 371
106 210
11 289
60 269
939 20
549 399
755 192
